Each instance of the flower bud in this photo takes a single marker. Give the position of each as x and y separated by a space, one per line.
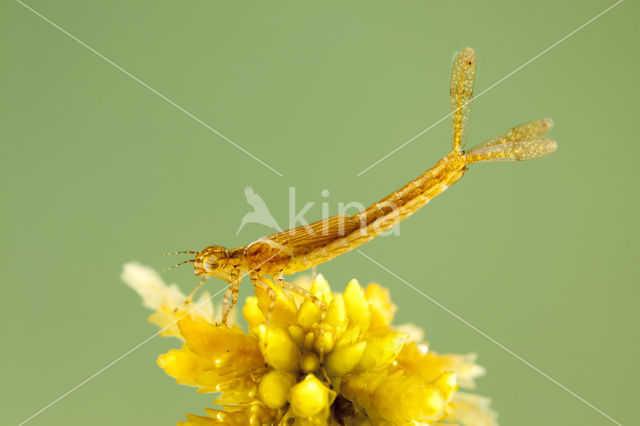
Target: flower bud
381 351
343 359
252 312
324 341
320 288
309 397
336 315
357 306
274 388
297 334
309 362
277 347
309 314
283 311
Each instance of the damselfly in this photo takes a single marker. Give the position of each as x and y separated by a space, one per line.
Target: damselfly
304 247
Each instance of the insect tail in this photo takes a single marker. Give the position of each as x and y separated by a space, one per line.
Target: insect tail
520 143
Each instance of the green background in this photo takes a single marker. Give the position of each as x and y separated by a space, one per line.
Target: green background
97 170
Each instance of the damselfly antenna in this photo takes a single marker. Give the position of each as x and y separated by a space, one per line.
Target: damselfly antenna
179 252
178 264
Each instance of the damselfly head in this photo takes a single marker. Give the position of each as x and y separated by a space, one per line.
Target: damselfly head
213 261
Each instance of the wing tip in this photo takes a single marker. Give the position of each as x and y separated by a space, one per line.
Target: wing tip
527 149
547 124
467 54
551 146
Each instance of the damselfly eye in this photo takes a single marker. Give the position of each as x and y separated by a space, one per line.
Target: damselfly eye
211 263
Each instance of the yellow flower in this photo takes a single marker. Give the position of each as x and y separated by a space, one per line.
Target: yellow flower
340 362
